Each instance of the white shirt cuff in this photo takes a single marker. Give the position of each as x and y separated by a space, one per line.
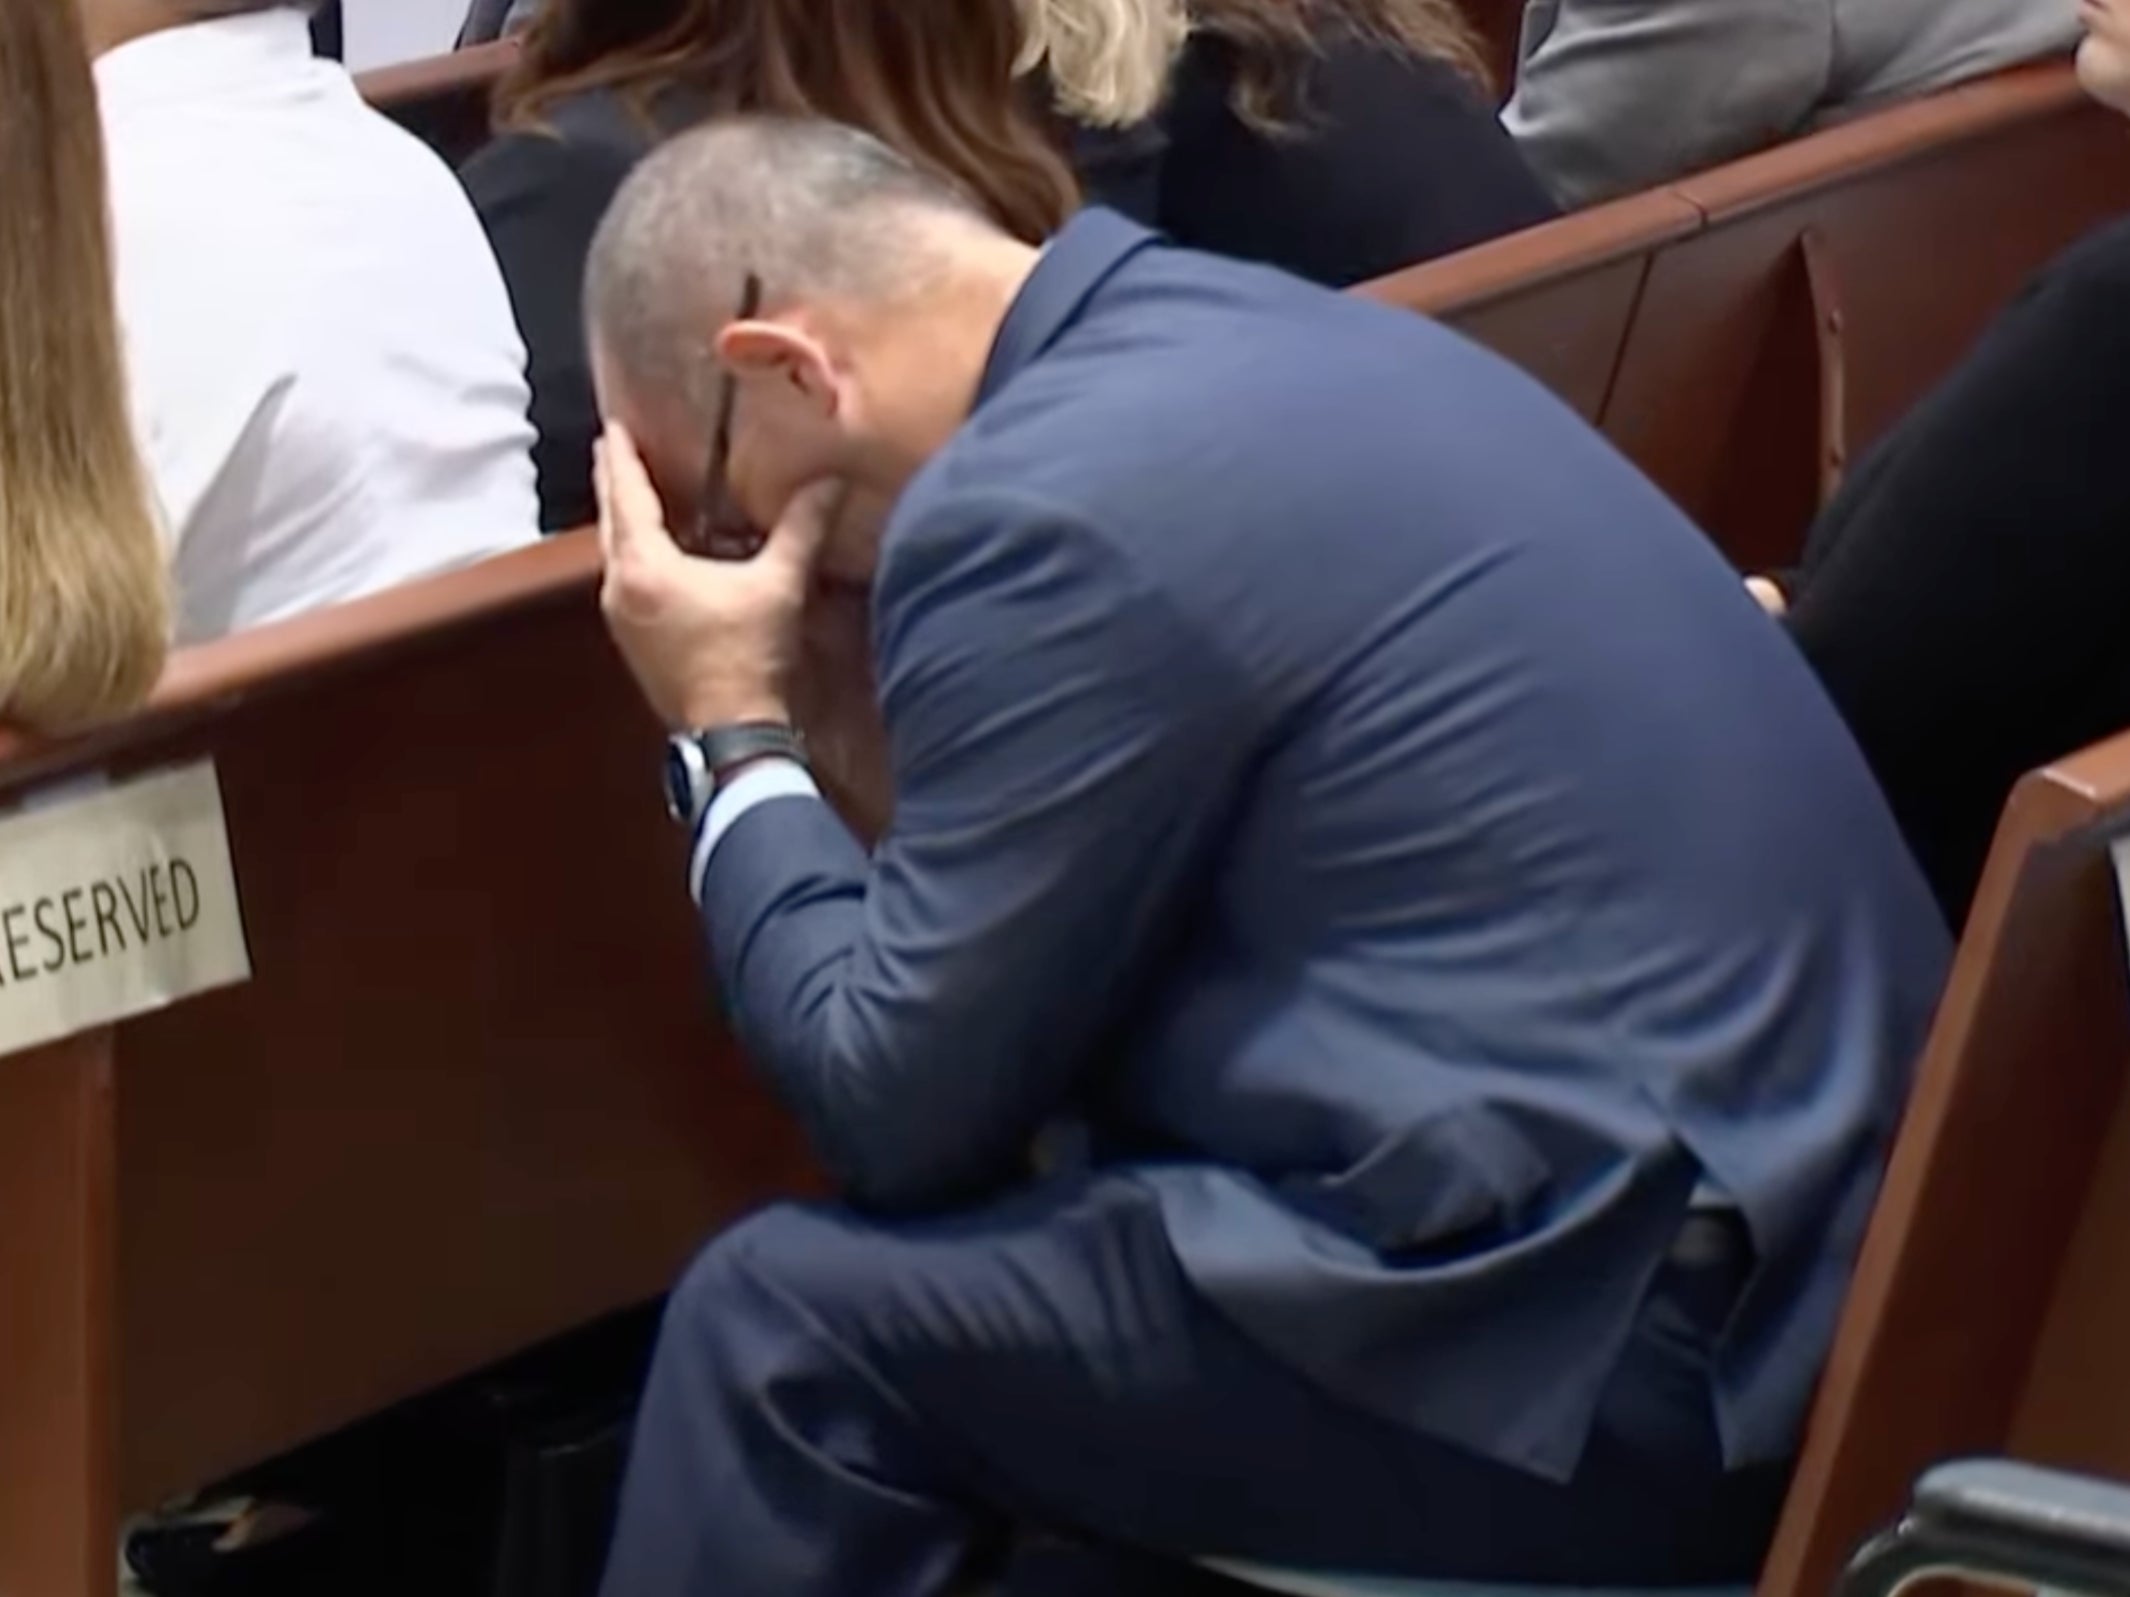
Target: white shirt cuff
758 784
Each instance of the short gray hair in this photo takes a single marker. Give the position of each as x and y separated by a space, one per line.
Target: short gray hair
814 209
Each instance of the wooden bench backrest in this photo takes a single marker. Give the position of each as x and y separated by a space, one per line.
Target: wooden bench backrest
1741 366
475 1093
442 100
1995 1246
1837 281
1559 299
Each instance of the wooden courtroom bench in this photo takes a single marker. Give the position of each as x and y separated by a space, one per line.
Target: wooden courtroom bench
1991 1308
1559 300
472 1095
442 100
1837 280
1743 334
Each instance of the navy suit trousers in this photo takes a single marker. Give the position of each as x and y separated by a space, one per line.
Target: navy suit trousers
847 1407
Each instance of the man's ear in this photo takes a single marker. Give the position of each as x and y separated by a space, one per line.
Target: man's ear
783 353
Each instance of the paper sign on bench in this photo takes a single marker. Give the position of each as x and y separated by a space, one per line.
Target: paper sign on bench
114 904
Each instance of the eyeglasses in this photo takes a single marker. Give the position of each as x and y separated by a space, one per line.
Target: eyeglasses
722 530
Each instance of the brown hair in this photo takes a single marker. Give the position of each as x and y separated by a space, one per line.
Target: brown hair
84 606
932 78
1273 39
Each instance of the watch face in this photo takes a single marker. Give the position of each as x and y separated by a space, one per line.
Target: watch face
684 778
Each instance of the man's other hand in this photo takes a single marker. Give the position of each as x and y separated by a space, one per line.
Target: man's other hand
711 642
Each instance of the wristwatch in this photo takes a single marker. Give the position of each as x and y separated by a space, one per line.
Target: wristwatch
697 763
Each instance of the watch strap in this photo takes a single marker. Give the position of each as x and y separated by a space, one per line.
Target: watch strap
725 747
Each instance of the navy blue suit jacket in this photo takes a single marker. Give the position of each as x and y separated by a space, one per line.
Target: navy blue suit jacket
1326 765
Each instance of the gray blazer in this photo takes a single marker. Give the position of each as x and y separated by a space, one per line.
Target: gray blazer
1615 96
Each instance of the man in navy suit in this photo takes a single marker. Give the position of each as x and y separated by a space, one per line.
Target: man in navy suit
1326 772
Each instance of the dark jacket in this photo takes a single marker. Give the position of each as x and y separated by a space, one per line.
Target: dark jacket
1964 597
541 195
327 35
1390 161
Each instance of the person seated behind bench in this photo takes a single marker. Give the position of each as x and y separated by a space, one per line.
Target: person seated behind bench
1616 96
84 600
1340 139
1322 764
328 386
1962 598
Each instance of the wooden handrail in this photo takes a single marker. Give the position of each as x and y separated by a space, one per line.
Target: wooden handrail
386 88
284 656
1883 139
1476 277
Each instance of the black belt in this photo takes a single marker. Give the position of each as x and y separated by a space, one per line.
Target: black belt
1710 1237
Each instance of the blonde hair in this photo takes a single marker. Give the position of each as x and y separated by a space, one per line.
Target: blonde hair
84 593
1108 61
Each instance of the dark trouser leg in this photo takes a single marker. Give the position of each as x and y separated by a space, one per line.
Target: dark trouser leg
846 1408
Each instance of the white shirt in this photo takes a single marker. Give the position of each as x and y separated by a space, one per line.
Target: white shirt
327 379
758 784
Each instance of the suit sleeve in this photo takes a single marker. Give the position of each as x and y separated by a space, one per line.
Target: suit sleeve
1619 96
1062 746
